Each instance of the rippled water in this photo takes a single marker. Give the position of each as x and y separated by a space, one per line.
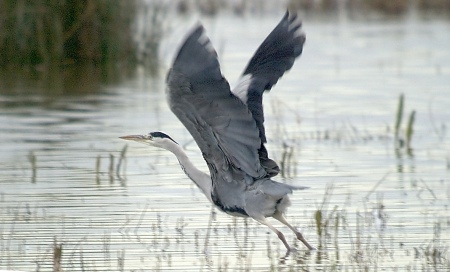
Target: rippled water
330 120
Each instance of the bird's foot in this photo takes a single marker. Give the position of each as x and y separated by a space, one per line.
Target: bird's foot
289 251
292 250
310 247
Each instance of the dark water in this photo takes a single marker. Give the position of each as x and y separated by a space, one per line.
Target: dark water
333 113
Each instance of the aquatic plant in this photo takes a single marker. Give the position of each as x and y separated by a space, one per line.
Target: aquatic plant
409 129
122 158
405 142
97 169
399 115
32 159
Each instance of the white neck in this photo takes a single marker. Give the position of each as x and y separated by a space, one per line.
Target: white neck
201 179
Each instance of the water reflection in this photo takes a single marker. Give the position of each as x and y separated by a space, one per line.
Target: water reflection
405 156
66 175
25 86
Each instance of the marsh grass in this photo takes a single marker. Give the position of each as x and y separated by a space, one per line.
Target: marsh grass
33 161
403 142
348 240
111 171
122 160
409 130
115 170
288 161
435 252
399 115
53 32
98 162
352 238
344 133
73 46
57 256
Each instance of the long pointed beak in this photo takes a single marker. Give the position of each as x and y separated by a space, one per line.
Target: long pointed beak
133 137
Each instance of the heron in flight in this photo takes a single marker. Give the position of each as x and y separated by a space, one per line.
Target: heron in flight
228 124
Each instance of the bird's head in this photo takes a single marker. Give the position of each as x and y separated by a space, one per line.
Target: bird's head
157 139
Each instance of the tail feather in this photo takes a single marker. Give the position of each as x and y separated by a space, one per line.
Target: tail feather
299 187
277 189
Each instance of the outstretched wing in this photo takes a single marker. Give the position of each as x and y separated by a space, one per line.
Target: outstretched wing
272 59
219 122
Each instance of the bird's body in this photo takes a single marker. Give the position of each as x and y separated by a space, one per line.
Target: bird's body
228 125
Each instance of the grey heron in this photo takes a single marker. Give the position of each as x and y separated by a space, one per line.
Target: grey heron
228 124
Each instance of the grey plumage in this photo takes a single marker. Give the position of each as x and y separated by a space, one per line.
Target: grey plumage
200 97
228 125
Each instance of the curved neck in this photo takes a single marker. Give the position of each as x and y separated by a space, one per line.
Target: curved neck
201 179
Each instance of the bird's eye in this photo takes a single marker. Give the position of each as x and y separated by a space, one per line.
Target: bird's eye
150 137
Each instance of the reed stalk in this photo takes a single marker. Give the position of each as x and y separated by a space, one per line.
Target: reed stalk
45 34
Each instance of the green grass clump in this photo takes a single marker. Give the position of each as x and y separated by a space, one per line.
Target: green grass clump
48 34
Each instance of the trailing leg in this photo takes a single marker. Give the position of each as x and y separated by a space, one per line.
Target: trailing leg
279 216
277 232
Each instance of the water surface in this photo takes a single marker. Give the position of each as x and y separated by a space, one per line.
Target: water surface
333 113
